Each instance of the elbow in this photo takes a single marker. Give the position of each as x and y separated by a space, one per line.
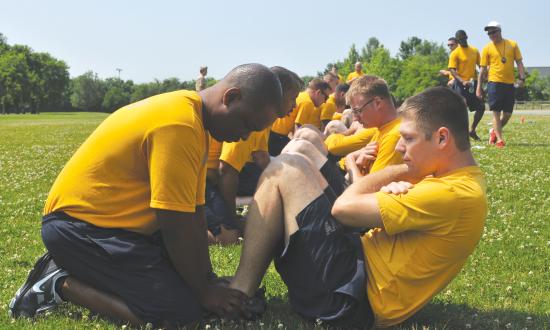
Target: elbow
339 211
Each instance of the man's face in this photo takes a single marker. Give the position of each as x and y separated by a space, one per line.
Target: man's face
419 154
364 110
239 120
289 102
320 96
452 45
332 82
494 34
358 67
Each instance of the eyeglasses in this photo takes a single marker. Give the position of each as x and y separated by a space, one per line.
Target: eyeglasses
492 32
358 111
451 45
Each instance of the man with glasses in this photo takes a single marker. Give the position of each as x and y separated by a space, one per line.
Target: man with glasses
452 43
462 65
308 103
499 55
373 107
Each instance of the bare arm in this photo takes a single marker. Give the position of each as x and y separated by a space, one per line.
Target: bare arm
261 158
480 80
521 71
455 75
185 239
358 206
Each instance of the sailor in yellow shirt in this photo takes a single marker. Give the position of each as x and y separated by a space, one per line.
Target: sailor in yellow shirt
309 101
498 58
334 71
425 218
452 43
134 189
355 74
373 107
462 65
328 108
240 165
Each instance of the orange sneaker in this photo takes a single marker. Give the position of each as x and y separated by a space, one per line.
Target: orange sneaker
500 144
492 136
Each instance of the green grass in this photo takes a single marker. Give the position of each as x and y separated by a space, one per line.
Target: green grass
505 284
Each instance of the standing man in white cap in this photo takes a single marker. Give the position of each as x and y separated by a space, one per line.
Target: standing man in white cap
499 55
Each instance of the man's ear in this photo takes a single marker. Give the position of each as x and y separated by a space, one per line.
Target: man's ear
443 136
231 95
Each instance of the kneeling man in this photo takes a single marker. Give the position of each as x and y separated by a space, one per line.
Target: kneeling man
425 218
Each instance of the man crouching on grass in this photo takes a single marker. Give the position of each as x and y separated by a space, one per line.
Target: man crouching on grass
425 218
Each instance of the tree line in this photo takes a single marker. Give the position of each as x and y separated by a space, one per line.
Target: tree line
37 82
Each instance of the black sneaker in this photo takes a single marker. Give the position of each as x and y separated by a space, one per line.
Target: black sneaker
38 294
256 306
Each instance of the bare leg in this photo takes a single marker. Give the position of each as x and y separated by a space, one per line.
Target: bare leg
102 303
307 149
477 118
313 136
505 118
497 125
272 216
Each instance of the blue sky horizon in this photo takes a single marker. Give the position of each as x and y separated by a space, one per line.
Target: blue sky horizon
173 39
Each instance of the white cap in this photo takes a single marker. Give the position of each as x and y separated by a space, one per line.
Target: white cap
492 25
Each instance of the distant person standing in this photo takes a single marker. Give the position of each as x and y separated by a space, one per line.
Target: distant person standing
452 44
499 55
200 84
462 66
355 74
334 71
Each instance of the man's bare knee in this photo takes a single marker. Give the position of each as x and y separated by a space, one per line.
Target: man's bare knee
313 136
335 126
308 149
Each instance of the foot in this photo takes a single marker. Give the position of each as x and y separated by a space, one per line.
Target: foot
474 136
38 294
256 306
500 144
492 136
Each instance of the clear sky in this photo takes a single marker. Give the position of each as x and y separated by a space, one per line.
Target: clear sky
162 38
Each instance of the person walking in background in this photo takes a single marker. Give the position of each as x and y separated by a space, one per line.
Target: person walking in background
462 66
452 44
497 59
355 74
200 84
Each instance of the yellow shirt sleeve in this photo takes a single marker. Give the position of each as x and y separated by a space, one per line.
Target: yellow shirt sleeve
341 145
386 153
453 61
517 53
237 154
484 60
328 109
425 207
174 188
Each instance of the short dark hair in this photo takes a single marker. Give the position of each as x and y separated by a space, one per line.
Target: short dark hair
317 83
453 39
289 80
342 88
258 84
460 34
439 107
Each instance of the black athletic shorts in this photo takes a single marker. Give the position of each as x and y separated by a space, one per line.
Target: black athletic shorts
334 176
276 143
501 96
248 179
323 268
216 211
473 103
131 266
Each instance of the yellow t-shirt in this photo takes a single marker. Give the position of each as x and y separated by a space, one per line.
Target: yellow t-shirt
214 151
464 60
237 154
354 75
306 112
328 108
387 138
491 56
145 156
285 125
428 234
337 116
341 145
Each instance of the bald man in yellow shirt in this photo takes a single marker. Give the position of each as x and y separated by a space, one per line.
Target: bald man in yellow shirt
124 221
431 209
462 65
355 74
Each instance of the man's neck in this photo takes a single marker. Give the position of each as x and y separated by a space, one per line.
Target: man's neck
389 115
455 161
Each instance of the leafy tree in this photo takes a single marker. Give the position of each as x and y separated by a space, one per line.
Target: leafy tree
118 94
418 73
14 81
348 64
368 51
88 92
383 65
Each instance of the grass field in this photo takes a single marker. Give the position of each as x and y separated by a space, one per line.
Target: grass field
505 284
